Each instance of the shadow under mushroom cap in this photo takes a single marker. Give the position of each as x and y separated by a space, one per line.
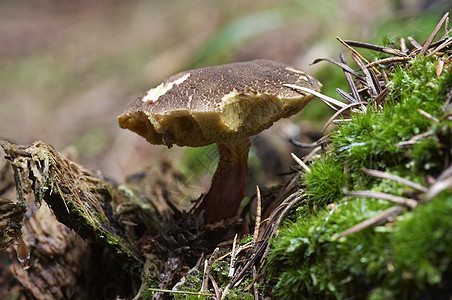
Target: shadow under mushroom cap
218 104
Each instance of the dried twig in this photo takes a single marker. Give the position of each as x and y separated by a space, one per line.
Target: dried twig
427 115
180 292
300 162
380 174
443 45
379 195
258 215
414 43
444 181
207 267
388 60
338 113
233 258
302 145
429 41
375 47
345 95
350 81
369 81
344 66
327 100
215 287
388 213
351 49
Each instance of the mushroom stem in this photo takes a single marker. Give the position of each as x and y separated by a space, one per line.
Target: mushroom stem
228 183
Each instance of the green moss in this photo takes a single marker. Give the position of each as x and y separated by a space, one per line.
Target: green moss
309 255
325 180
409 257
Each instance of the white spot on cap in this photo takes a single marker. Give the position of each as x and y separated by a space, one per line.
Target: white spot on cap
154 94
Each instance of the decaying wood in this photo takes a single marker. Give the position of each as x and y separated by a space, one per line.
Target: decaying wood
59 259
79 199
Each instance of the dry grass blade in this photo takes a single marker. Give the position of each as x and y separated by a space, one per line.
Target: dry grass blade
436 188
403 47
215 287
412 203
380 174
427 115
258 214
302 145
207 267
388 213
375 81
444 181
443 45
351 49
327 100
255 290
369 81
413 140
350 81
344 66
429 41
338 113
180 292
300 162
233 258
375 47
346 96
380 97
414 43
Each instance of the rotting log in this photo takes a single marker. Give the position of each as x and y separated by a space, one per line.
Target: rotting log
79 199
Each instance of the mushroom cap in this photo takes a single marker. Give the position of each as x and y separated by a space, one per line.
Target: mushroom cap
218 104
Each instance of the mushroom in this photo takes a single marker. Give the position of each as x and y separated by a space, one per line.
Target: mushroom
225 105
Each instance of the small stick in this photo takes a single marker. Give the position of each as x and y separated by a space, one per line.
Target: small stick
327 100
433 35
388 60
302 145
350 82
375 80
351 49
443 45
256 292
403 47
180 292
436 188
379 195
414 43
388 213
300 162
413 140
380 174
345 95
342 65
427 115
341 121
381 96
207 265
331 119
215 287
373 91
374 47
258 215
233 253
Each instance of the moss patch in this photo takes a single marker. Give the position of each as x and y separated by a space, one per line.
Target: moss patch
406 258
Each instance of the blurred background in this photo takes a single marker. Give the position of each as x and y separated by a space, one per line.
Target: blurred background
68 68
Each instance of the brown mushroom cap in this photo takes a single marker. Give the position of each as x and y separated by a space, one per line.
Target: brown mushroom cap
217 104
